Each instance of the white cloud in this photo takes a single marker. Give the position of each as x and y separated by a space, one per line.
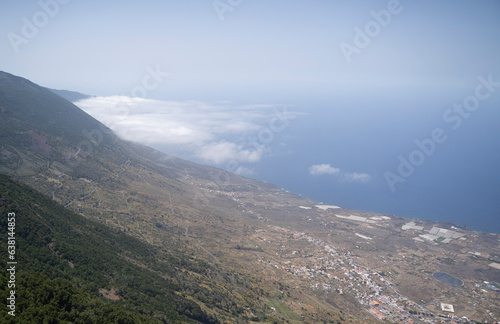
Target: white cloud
213 132
319 169
322 169
244 171
356 177
223 151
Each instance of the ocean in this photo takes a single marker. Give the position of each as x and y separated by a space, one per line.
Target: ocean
454 179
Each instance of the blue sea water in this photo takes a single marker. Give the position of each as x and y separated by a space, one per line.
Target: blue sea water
458 182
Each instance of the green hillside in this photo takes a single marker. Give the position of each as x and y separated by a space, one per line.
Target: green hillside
64 260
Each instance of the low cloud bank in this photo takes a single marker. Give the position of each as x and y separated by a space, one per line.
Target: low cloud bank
212 132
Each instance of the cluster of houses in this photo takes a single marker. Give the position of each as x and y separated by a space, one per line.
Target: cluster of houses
336 270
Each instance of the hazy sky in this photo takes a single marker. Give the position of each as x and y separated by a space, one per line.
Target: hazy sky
250 50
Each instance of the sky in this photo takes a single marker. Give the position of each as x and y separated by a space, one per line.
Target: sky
341 93
249 50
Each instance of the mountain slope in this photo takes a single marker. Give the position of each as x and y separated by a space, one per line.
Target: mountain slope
66 260
178 207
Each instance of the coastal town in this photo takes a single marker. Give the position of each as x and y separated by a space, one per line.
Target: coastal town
382 267
332 270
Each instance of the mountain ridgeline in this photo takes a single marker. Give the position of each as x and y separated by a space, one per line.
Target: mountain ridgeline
112 231
66 260
71 96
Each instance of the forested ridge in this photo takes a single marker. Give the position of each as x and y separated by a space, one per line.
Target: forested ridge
64 259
